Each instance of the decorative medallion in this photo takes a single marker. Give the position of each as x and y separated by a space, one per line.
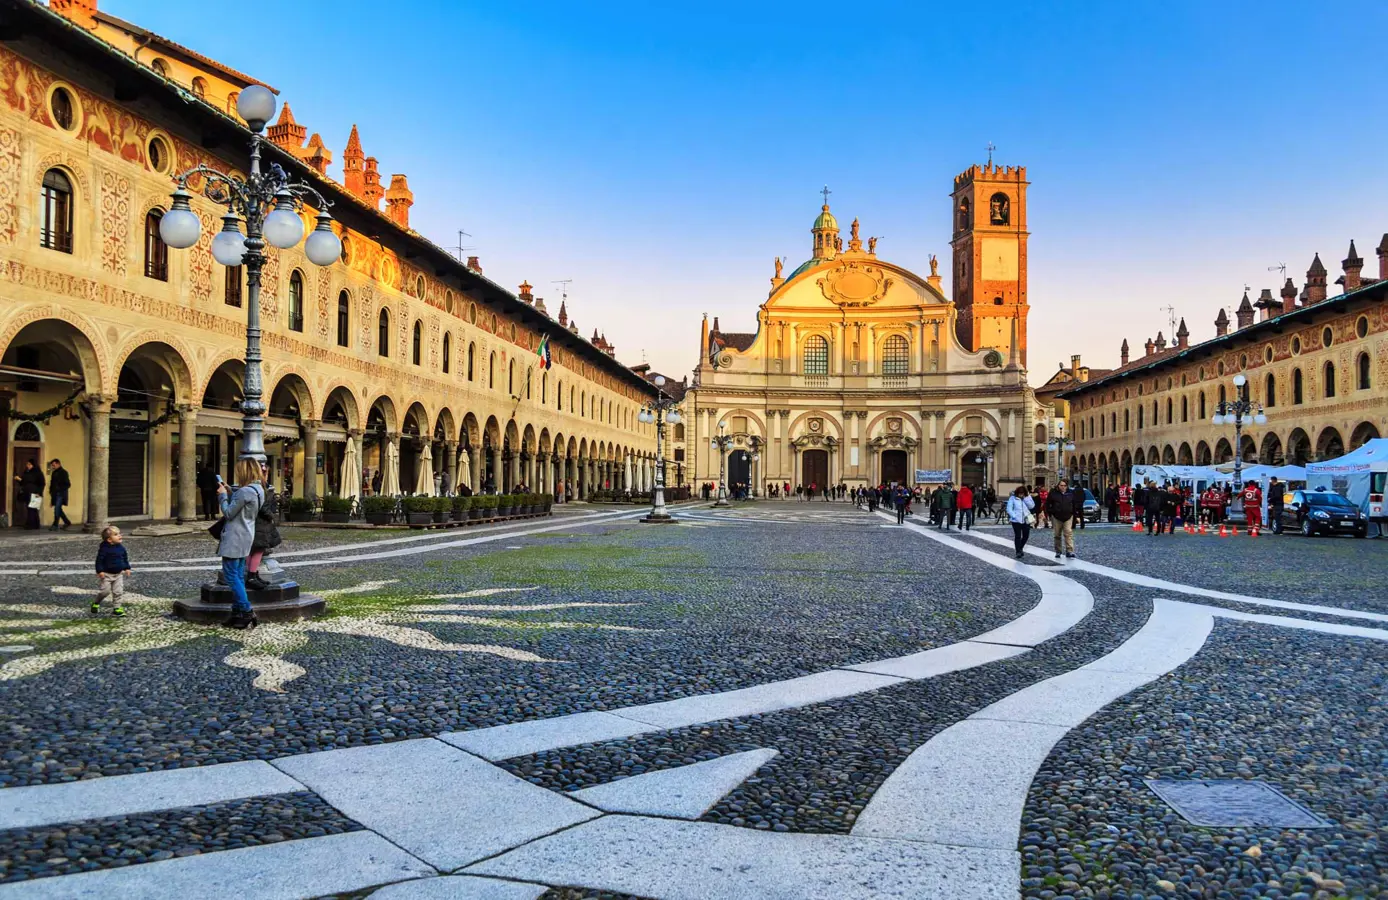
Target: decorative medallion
855 284
725 360
894 426
815 426
992 359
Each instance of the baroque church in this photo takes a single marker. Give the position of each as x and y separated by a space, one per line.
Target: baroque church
861 371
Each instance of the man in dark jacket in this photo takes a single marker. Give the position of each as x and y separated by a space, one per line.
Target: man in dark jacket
1111 502
30 486
207 490
947 500
59 483
1077 500
1060 506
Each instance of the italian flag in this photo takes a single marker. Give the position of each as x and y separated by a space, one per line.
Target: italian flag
542 351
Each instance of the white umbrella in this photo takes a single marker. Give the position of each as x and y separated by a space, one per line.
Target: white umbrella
465 470
425 486
351 471
390 482
627 480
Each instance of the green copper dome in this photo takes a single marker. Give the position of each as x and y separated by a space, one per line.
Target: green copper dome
826 220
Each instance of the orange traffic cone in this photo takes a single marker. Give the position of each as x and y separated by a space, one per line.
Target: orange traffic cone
1253 531
1202 527
1137 525
1223 531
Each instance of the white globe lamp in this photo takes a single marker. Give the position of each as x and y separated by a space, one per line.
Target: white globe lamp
256 104
323 247
180 226
283 227
229 246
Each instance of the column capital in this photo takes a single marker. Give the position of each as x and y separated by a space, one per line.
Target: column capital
355 433
96 403
315 424
186 409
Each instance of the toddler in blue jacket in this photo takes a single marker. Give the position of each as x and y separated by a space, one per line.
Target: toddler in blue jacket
112 565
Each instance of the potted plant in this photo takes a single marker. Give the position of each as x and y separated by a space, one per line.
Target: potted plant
443 509
477 509
419 511
503 505
300 509
461 507
337 509
378 510
547 504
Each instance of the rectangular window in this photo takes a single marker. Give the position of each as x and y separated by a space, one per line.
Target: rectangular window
233 286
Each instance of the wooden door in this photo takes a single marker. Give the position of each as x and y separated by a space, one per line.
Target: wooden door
19 455
815 468
894 467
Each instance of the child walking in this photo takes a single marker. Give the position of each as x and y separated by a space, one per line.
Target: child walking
112 565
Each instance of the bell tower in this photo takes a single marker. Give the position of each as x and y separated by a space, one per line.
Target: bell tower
990 257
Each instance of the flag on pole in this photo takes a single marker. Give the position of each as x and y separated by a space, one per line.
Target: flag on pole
542 351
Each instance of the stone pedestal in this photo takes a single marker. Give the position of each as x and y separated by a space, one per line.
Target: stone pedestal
280 602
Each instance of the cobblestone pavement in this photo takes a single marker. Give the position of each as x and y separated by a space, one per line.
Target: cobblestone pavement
760 701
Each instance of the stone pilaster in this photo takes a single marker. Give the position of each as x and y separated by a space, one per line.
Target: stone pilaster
187 463
309 486
98 462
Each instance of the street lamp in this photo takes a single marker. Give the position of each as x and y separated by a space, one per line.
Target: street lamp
721 442
658 412
988 450
753 454
1235 412
269 202
1057 444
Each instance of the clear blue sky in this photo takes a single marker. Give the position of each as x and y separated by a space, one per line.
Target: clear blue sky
660 155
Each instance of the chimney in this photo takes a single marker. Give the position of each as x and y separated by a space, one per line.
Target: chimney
81 12
1149 347
1182 336
399 199
563 313
1353 265
286 133
1123 353
524 294
474 264
1161 342
371 184
1288 296
540 305
1075 366
1221 323
1315 281
1383 258
317 155
1269 306
352 159
1244 314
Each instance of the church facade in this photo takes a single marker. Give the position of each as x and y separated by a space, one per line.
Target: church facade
863 372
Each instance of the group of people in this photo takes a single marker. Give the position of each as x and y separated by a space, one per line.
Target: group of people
29 487
1159 507
1060 508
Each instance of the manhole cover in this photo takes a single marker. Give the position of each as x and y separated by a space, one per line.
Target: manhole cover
1234 803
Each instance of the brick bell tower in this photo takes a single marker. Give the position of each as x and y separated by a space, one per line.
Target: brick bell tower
990 257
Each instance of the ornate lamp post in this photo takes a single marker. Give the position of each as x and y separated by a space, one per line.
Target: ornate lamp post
1057 444
989 448
753 454
1235 412
721 442
658 412
269 202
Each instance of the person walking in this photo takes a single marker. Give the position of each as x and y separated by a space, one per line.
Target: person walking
59 483
1151 506
1078 501
112 567
1019 513
30 492
965 501
947 505
239 510
1060 507
900 499
1253 504
1042 495
207 491
1276 497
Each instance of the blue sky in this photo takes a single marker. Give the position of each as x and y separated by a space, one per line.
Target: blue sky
661 155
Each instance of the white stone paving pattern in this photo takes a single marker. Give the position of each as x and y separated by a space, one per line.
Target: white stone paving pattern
684 792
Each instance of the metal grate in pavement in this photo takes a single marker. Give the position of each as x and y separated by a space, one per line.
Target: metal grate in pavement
1234 803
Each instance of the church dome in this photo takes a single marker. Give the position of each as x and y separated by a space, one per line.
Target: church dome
826 220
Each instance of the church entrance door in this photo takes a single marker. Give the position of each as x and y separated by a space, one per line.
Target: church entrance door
739 468
973 470
894 467
814 468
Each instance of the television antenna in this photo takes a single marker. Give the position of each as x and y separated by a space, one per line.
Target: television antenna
1170 319
460 249
563 287
1280 267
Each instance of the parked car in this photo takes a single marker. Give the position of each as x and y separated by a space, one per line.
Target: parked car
1321 512
1092 510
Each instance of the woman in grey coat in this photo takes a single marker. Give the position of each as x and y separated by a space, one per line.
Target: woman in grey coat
239 508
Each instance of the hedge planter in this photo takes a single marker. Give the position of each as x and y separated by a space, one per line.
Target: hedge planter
474 514
378 518
300 516
503 511
338 518
419 519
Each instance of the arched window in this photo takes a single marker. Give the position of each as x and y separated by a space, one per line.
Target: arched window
895 355
528 380
583 404
296 301
511 378
544 388
447 352
1223 397
417 342
199 88
1102 431
559 396
1185 409
1201 416
816 355
1363 379
156 251
1139 418
343 310
231 101
1270 391
160 67
491 371
1330 379
999 209
572 408
1297 392
471 358
383 334
1169 407
1127 420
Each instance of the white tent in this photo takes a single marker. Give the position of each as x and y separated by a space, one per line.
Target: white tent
1356 475
390 481
1262 473
351 470
424 485
1162 474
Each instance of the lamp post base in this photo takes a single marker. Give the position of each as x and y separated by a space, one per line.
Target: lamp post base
657 519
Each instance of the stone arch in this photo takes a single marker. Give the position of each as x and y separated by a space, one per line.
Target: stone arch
491 432
544 443
72 166
1113 464
444 425
529 440
907 419
1223 451
295 385
88 350
988 423
1298 447
752 418
797 424
512 434
470 432
1248 449
174 357
340 397
227 377
1270 454
1127 465
1329 444
1203 455
1140 459
416 420
1184 455
215 364
1168 455
582 448
308 402
386 407
1362 434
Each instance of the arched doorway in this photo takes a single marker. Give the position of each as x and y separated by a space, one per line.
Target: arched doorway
973 469
814 468
894 467
739 468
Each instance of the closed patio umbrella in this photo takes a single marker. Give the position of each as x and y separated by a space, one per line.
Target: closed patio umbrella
424 487
390 481
351 471
465 470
